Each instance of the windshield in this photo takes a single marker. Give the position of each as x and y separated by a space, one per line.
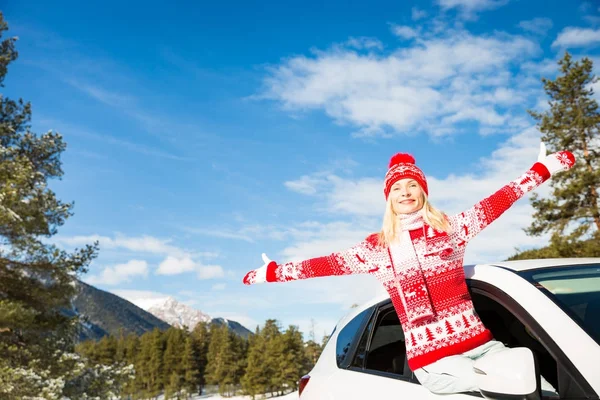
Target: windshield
576 289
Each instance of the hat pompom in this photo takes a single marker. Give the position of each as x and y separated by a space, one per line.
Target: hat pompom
401 158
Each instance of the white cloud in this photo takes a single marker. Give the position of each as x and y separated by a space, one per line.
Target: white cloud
207 254
210 271
320 239
428 87
119 273
105 96
469 8
177 260
577 37
143 244
537 25
417 14
342 195
220 233
361 197
174 266
405 32
248 233
365 43
305 185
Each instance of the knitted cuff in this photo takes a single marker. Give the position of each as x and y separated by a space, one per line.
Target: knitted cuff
541 170
271 277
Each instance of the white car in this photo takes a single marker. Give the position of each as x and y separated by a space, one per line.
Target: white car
550 306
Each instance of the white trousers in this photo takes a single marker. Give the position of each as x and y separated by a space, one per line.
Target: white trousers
454 374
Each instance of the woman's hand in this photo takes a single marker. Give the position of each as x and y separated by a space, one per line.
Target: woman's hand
258 275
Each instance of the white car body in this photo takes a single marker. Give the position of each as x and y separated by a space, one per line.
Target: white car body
576 353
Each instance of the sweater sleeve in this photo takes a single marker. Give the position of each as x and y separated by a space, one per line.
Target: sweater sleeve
467 224
355 260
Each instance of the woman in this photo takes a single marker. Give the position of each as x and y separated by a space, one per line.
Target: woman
418 257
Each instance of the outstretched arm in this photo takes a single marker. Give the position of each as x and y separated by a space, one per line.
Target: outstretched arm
352 261
472 221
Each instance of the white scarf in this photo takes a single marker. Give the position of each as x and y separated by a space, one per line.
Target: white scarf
409 278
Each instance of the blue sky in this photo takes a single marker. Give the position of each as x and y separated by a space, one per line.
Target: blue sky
201 135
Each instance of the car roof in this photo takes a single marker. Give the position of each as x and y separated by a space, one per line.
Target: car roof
515 266
525 265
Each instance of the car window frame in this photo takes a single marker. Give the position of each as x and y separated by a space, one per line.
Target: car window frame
512 306
380 308
354 342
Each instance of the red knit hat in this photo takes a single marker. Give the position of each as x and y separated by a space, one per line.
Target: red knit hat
403 166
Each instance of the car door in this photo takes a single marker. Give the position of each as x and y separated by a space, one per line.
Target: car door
375 365
510 322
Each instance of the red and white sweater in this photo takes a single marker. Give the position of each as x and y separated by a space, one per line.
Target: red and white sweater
424 277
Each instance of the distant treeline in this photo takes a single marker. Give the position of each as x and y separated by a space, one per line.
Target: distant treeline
180 363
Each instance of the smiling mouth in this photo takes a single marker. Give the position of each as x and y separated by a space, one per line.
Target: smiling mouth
407 201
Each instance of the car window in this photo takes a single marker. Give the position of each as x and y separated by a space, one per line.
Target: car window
347 336
576 290
381 347
387 351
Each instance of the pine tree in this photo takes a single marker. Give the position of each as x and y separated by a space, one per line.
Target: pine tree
175 341
274 349
240 357
220 368
255 380
312 351
293 358
132 349
142 366
190 365
201 337
466 321
173 386
571 123
156 365
37 279
121 350
449 328
106 350
429 335
86 349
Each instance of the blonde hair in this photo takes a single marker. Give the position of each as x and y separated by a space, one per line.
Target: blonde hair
391 226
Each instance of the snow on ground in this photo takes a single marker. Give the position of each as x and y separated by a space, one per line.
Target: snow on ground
289 396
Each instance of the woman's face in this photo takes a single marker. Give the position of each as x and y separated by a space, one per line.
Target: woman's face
406 196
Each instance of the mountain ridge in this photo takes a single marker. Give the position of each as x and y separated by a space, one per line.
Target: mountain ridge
104 313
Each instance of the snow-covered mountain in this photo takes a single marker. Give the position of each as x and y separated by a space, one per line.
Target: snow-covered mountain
177 314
